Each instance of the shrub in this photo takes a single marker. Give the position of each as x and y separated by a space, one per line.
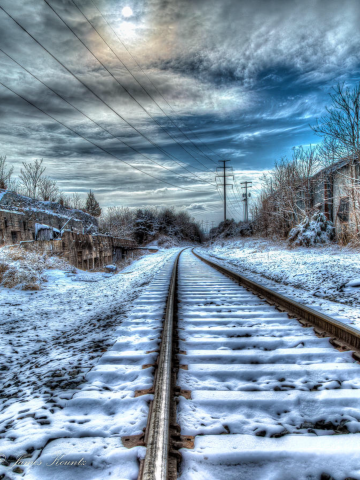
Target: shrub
317 230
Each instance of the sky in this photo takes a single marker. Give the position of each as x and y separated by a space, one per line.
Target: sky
139 100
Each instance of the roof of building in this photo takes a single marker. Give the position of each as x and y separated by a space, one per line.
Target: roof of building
19 203
335 167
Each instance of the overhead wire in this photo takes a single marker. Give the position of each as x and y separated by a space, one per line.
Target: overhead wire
237 198
239 194
89 141
230 206
93 121
236 201
157 90
142 86
233 203
93 92
125 89
97 146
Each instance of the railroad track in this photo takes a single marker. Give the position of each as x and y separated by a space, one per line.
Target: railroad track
216 377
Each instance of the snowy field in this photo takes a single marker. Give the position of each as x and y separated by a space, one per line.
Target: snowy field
50 338
326 278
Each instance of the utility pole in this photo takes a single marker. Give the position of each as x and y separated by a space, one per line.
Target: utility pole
224 170
212 233
246 196
207 227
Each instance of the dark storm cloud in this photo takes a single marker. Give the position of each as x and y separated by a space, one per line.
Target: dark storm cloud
246 77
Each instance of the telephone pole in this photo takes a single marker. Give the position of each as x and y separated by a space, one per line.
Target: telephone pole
224 169
207 226
212 233
246 196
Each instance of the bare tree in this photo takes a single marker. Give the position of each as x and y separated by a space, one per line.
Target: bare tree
287 193
48 189
30 177
64 200
5 173
341 123
329 152
76 201
118 222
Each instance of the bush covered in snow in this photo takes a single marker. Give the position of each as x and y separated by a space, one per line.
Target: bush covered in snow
25 270
312 231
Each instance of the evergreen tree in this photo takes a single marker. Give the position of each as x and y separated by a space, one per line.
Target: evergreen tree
92 205
144 225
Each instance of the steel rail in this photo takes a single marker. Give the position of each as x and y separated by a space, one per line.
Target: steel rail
158 438
348 334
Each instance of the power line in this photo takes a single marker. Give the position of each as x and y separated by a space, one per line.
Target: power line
89 141
239 196
234 204
224 184
225 197
230 206
93 121
235 200
246 196
206 212
94 93
147 76
221 195
137 81
232 201
119 83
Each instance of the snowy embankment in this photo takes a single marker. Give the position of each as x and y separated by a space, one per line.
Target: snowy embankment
50 338
325 278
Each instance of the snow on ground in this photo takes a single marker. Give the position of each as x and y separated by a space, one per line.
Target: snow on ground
320 277
50 338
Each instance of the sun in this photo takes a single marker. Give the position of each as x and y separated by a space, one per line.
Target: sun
127 12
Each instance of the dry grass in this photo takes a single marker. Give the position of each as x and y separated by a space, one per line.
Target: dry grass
24 269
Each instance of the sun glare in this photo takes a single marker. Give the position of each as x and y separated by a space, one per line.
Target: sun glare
127 12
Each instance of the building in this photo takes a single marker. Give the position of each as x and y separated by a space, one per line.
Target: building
50 227
336 191
23 218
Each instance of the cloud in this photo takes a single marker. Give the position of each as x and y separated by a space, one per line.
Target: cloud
196 207
240 41
244 78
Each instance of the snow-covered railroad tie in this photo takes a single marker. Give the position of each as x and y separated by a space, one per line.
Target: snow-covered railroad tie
269 398
208 380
